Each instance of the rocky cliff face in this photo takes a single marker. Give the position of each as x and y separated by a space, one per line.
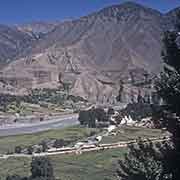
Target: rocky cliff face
95 52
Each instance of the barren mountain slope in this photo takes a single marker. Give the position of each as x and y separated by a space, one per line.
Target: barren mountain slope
12 43
94 52
119 36
37 29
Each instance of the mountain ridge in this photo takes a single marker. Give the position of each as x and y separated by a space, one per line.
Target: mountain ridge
119 42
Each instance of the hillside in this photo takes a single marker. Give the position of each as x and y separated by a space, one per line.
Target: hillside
93 53
12 43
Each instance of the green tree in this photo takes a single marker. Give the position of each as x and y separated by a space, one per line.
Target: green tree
92 119
14 177
140 99
110 111
121 88
168 88
30 150
144 161
18 149
88 118
44 146
41 168
101 115
58 143
84 118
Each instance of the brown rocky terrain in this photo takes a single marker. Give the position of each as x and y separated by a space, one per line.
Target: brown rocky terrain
92 53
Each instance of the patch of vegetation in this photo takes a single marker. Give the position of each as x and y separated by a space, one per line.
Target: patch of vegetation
145 161
41 97
89 117
88 166
71 134
76 99
131 133
138 111
41 168
47 95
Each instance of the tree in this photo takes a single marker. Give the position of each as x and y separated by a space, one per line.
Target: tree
58 143
89 117
168 88
121 88
140 98
18 150
84 118
132 77
110 111
101 115
132 97
44 146
14 177
41 168
146 76
92 119
144 161
60 78
30 150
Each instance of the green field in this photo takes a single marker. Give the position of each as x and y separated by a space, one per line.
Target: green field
88 166
131 133
7 144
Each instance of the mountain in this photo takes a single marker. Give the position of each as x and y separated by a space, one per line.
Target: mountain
12 43
116 36
37 29
171 18
93 53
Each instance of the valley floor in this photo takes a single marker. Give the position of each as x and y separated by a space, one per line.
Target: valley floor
87 166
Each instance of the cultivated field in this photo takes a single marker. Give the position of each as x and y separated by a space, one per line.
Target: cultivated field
131 133
7 144
87 166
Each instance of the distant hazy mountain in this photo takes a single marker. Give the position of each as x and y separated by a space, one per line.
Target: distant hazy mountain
93 52
12 43
37 29
115 37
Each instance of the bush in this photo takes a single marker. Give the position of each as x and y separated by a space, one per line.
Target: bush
101 115
145 161
44 146
137 111
89 117
84 117
59 143
110 111
18 149
42 168
39 150
30 150
15 177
